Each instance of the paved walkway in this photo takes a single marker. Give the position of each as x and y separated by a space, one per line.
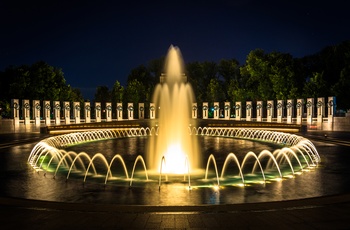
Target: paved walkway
331 212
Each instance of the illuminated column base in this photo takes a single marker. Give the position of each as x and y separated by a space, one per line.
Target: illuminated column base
76 112
259 110
130 111
194 110
227 110
36 112
120 111
300 110
216 110
47 112
290 110
249 107
152 111
238 110
108 111
331 108
26 111
57 113
320 109
205 110
87 114
280 108
15 111
98 110
309 110
141 111
269 110
66 109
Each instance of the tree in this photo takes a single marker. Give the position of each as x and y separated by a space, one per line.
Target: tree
199 76
316 86
281 74
143 75
156 68
135 93
39 81
229 71
46 82
341 89
102 95
235 91
117 93
256 73
214 91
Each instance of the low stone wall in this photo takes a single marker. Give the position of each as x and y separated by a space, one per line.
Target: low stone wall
341 124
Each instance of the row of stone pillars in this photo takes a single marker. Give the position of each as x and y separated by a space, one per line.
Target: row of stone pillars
66 109
281 111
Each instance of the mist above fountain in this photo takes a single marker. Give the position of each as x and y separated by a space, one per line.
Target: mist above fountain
173 150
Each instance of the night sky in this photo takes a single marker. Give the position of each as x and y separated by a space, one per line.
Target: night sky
98 42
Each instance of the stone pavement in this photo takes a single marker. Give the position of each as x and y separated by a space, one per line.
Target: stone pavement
330 212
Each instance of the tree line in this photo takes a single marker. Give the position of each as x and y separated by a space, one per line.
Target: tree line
263 76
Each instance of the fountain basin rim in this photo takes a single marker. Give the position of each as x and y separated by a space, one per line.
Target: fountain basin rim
305 203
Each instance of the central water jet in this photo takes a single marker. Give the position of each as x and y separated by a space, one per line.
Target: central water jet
173 142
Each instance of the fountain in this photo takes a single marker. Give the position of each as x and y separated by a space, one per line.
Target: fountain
172 154
173 144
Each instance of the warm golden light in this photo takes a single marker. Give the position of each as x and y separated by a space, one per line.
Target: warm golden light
175 160
173 141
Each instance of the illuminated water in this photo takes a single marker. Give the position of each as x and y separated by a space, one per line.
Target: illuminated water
173 105
19 179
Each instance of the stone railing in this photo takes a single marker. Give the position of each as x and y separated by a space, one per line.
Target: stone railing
298 111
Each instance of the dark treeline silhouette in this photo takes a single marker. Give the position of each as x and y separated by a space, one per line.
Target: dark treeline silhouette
263 76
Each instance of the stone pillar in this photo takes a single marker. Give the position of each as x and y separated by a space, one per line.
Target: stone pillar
130 111
248 108
194 110
47 112
227 110
216 110
87 114
141 111
238 110
205 110
259 110
66 109
280 108
290 110
76 112
309 110
269 110
36 111
300 110
57 113
15 111
331 108
120 111
320 109
98 111
152 111
108 111
26 111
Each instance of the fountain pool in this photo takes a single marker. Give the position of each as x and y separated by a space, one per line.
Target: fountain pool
228 175
176 160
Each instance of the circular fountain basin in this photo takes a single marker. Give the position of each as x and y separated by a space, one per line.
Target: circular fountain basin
21 180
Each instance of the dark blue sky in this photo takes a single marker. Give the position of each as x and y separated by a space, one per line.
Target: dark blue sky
98 42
